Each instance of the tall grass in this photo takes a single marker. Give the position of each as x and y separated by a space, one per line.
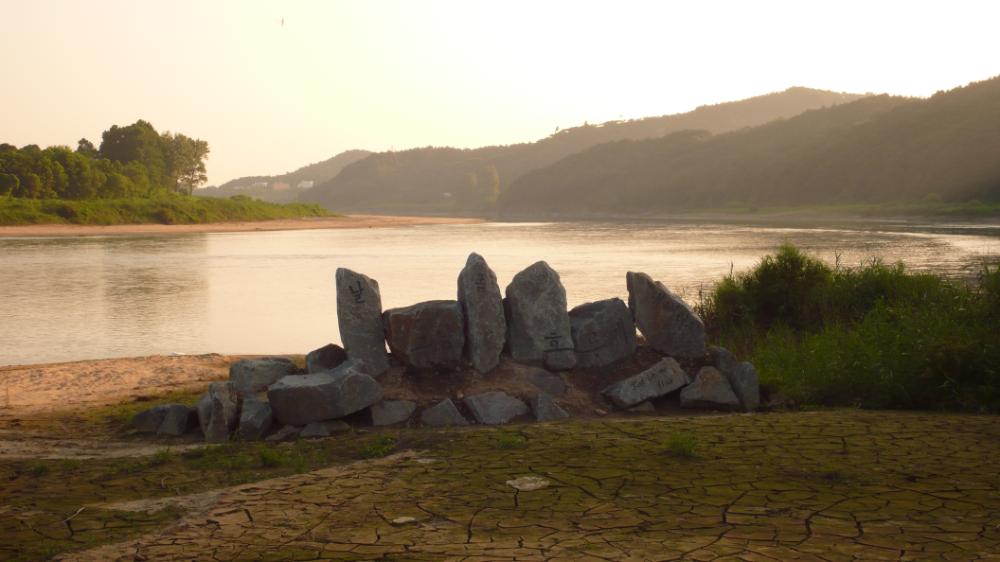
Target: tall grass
166 209
875 336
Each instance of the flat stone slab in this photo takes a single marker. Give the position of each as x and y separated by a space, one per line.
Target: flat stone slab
427 335
669 325
603 333
391 412
495 408
538 329
545 408
303 399
359 316
444 413
326 358
482 303
661 379
710 390
528 483
251 376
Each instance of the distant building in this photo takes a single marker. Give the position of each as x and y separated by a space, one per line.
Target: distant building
259 185
306 184
280 186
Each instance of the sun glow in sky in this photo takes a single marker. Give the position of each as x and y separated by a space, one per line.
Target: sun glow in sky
276 85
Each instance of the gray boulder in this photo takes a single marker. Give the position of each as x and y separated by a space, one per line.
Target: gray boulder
442 414
485 325
538 329
359 315
326 358
667 322
391 412
286 433
742 377
603 333
661 379
251 376
549 383
495 408
218 411
318 430
148 421
545 408
427 335
710 390
178 420
644 408
303 399
255 419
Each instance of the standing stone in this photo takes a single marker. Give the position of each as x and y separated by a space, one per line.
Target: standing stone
495 408
359 315
709 390
667 322
603 333
251 376
179 419
441 414
391 412
303 399
538 329
545 408
427 335
661 379
742 377
485 325
218 411
326 358
549 383
255 419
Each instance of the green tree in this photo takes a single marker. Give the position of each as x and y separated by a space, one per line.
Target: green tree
186 161
9 183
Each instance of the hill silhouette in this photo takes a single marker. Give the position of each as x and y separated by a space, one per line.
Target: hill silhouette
874 150
318 173
470 180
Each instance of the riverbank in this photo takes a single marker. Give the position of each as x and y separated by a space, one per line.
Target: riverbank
310 223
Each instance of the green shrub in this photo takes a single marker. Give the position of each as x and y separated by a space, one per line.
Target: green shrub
681 444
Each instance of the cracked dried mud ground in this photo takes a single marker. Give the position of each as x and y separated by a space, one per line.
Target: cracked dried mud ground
829 485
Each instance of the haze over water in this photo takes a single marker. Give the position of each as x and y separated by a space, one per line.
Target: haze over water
273 292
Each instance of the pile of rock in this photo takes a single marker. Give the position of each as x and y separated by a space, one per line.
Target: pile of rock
530 322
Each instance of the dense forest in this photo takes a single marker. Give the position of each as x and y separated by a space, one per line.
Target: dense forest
449 180
874 150
132 161
264 187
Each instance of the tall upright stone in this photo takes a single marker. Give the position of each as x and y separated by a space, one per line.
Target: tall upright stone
427 335
359 315
219 411
667 322
485 325
538 329
603 333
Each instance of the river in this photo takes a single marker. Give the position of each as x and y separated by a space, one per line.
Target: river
273 292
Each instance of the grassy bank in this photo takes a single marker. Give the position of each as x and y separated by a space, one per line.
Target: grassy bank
167 209
875 336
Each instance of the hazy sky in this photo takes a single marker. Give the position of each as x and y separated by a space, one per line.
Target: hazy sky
270 97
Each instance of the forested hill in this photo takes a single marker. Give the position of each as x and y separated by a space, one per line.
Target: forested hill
318 172
449 179
874 150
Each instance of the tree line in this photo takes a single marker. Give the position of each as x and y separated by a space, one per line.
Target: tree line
132 161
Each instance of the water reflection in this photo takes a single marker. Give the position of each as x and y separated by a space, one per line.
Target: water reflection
272 292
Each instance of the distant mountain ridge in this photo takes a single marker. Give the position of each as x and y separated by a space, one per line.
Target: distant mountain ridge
874 150
471 180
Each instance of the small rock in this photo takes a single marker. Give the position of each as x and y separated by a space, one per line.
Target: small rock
426 461
326 358
255 419
667 322
644 408
549 383
723 360
742 377
218 411
661 379
709 390
148 421
286 433
528 483
427 335
600 412
538 329
359 315
545 408
404 520
485 325
603 333
495 408
303 399
179 419
442 414
391 412
251 376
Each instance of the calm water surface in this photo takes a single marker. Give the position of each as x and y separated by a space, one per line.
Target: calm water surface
273 292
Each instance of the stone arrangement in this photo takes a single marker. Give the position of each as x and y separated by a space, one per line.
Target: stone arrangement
470 337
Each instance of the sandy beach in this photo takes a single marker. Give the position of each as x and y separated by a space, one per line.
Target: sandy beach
347 221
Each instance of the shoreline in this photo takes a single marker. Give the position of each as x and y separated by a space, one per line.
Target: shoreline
309 223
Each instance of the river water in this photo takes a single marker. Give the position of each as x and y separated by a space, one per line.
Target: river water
273 292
